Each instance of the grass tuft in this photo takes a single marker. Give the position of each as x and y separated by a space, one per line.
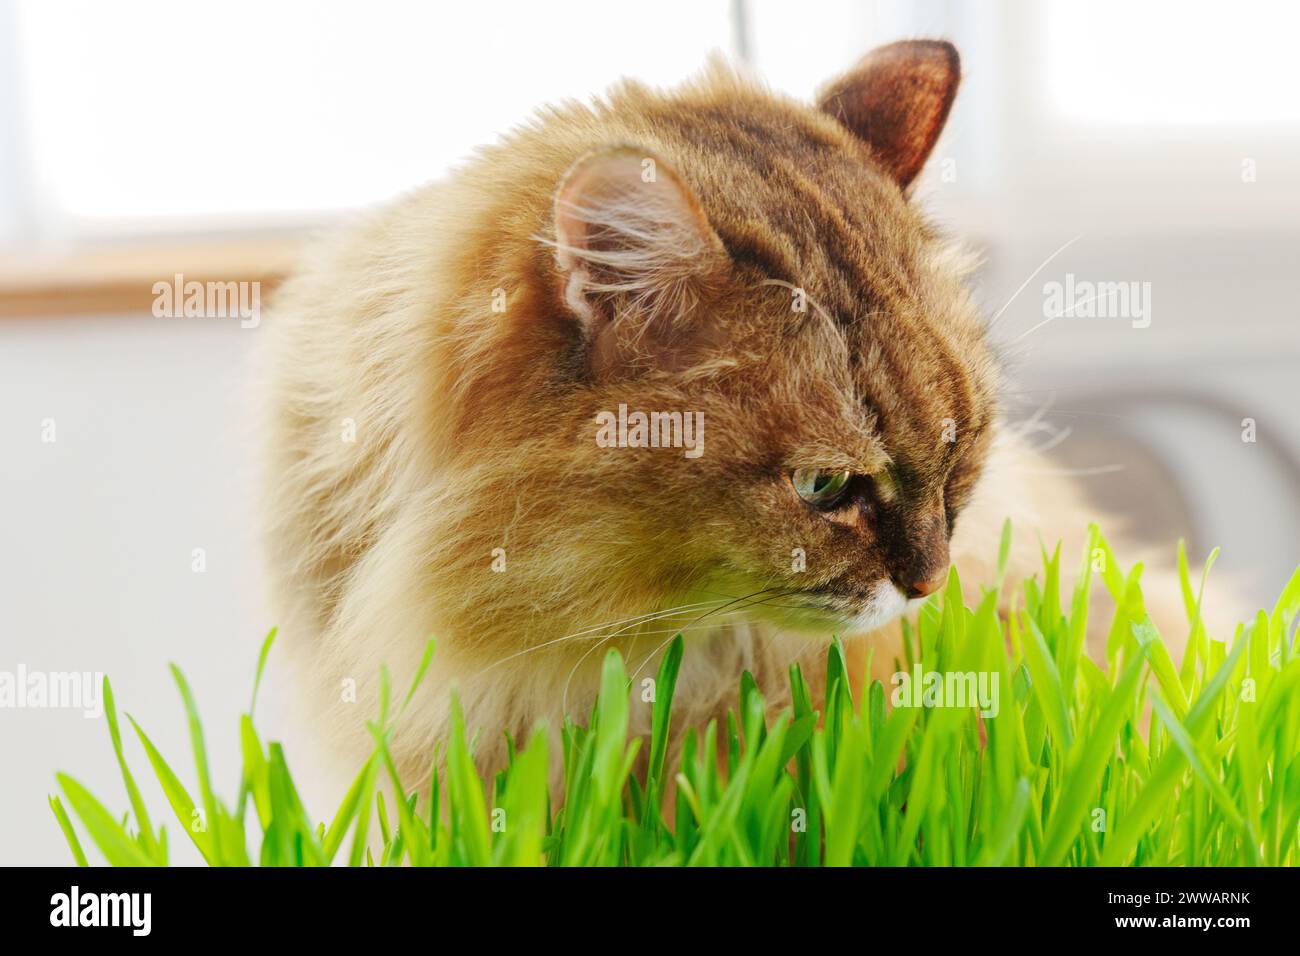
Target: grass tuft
1139 762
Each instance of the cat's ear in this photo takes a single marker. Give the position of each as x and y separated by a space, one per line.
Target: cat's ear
897 99
635 250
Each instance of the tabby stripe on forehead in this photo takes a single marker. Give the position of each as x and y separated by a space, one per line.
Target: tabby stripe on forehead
837 235
942 347
832 219
899 351
753 147
753 248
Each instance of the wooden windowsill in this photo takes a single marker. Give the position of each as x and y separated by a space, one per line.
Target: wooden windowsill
119 279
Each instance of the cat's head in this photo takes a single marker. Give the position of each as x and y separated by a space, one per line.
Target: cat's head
743 260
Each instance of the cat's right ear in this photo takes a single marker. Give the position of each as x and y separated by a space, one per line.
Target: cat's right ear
636 253
897 100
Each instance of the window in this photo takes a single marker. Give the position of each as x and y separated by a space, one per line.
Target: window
1102 65
152 116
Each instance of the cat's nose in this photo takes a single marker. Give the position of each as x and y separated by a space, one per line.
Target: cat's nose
920 550
925 586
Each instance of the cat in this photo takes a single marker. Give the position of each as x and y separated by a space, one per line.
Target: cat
441 373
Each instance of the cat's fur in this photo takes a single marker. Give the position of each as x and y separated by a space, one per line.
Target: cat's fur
475 427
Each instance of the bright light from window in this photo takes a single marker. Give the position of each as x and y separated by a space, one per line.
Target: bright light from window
1191 62
238 108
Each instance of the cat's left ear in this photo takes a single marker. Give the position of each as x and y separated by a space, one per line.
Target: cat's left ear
635 250
897 99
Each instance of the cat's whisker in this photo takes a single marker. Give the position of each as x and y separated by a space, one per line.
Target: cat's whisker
672 633
666 642
1076 472
1035 425
649 615
564 697
1060 315
776 632
1035 421
789 592
1043 265
1056 439
596 631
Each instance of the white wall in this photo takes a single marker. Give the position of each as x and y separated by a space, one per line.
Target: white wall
150 462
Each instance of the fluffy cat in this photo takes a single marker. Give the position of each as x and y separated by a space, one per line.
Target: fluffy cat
439 374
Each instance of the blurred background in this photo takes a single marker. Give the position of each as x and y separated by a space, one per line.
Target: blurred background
1136 142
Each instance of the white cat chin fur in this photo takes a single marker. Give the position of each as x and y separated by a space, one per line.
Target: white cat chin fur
886 603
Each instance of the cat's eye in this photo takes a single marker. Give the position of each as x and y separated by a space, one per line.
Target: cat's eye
819 486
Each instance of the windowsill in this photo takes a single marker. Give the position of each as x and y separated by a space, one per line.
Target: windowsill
119 279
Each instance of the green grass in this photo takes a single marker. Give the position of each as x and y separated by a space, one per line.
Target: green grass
1140 762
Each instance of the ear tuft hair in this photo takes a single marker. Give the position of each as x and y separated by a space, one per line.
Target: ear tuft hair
631 240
